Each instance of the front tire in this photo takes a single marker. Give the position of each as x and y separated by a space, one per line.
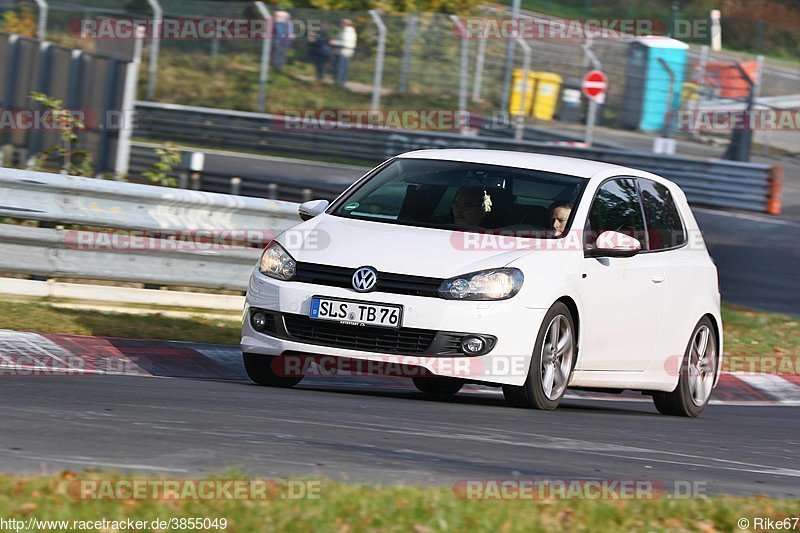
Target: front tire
259 369
439 387
551 364
697 373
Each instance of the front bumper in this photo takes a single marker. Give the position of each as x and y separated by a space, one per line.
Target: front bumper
509 321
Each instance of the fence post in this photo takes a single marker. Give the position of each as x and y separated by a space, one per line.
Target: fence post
378 77
589 58
266 52
123 156
699 78
519 132
509 61
405 65
666 127
462 82
476 84
155 43
41 27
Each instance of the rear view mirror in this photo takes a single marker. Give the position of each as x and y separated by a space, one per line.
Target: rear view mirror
312 208
614 244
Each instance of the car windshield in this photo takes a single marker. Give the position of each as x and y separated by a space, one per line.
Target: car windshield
456 195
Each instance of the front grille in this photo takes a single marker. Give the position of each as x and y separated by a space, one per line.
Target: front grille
336 276
407 341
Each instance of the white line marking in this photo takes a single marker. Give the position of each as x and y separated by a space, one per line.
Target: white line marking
573 445
90 462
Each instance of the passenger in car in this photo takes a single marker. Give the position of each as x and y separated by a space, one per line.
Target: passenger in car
559 215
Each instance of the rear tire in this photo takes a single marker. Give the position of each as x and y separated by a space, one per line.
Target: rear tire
259 369
551 363
440 387
697 373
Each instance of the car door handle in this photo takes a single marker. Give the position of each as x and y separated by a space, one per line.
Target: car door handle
656 278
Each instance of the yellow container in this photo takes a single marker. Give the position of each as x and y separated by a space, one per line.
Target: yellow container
689 92
548 87
515 102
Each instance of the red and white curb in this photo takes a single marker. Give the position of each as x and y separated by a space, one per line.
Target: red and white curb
25 354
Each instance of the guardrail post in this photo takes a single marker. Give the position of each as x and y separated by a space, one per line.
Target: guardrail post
266 52
775 181
378 77
193 164
155 44
128 109
41 26
308 194
236 186
272 191
405 64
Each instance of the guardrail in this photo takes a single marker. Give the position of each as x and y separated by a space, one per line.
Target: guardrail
166 236
711 182
272 184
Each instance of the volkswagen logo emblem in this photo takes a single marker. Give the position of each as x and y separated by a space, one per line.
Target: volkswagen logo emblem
364 279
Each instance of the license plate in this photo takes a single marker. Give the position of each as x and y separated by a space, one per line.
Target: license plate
356 313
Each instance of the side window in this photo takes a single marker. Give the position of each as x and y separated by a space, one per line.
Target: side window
616 208
664 226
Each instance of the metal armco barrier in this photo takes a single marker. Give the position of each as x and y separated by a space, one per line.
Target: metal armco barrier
151 222
287 188
711 182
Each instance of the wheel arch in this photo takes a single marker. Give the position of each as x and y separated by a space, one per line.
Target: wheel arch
718 334
573 309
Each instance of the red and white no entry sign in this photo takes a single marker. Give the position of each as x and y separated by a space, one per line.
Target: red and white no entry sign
594 84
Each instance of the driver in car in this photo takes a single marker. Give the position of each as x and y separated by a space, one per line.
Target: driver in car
559 215
468 206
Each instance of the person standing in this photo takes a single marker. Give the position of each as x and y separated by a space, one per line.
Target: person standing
319 50
282 35
345 45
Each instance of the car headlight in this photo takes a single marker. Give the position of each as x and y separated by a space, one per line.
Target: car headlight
277 263
495 284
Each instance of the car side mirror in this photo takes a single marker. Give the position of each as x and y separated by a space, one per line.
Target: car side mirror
614 244
312 208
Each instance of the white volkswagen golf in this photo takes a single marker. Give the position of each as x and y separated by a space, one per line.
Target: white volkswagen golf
528 272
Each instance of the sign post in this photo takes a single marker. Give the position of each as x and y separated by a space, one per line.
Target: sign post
594 87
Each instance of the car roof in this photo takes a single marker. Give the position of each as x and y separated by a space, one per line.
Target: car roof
572 166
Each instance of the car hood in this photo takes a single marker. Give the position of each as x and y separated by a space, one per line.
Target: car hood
338 241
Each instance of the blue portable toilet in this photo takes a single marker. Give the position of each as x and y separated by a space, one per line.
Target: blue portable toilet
645 96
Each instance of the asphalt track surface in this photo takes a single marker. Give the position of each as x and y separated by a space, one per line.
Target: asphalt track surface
353 431
757 255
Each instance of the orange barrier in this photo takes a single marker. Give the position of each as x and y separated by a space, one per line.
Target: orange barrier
727 79
775 181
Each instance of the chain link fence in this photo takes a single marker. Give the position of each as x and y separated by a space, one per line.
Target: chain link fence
420 61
